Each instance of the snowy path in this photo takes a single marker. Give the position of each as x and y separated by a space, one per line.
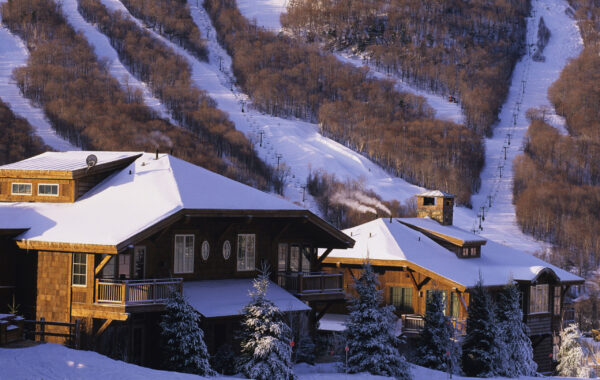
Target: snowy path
13 54
104 50
529 88
297 144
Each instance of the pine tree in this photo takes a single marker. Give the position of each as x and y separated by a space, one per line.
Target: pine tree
183 344
436 348
305 350
570 356
480 346
516 353
266 351
372 345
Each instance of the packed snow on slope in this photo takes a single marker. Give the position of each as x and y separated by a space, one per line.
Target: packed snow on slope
105 51
55 362
529 88
13 54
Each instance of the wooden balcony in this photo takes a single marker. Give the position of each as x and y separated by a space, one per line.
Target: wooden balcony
413 324
313 286
117 299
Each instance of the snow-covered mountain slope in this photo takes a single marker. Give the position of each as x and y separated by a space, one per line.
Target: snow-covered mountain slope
529 88
13 54
298 144
105 51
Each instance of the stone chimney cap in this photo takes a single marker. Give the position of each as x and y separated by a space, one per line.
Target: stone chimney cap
435 193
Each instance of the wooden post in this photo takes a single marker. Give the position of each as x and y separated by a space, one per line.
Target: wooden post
77 333
96 291
125 292
300 279
42 329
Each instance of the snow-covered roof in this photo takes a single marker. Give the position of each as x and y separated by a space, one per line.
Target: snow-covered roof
498 264
133 199
223 298
66 161
435 193
333 322
452 233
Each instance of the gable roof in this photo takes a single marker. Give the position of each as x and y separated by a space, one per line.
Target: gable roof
435 193
451 234
395 244
146 193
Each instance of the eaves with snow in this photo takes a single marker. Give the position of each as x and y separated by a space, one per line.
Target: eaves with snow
392 242
152 190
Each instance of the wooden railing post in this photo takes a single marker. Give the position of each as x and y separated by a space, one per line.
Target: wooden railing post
96 295
300 283
77 333
43 329
124 291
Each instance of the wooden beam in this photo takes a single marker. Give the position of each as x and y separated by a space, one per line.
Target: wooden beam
66 247
320 314
423 283
462 301
103 327
325 254
102 264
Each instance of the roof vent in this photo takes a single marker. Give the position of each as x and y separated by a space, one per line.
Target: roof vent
91 161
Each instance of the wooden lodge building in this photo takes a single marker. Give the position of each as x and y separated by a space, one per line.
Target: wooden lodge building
416 256
104 237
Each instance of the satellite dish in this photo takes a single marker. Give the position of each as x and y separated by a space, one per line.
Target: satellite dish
91 160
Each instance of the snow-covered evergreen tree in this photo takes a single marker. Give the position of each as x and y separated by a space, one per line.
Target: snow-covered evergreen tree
305 350
480 346
372 345
223 360
183 344
436 348
570 355
266 351
515 353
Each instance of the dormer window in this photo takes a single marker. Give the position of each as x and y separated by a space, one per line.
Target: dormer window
428 201
48 190
21 189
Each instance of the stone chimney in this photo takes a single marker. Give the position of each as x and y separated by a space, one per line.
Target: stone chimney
436 205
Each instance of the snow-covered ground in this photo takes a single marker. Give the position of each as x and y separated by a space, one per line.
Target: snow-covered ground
13 54
54 362
105 51
529 88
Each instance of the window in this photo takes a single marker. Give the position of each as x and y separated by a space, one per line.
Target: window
124 265
444 298
294 258
21 189
401 298
48 190
139 262
306 259
184 254
557 300
454 305
245 252
469 252
538 299
282 253
428 201
226 250
205 250
79 269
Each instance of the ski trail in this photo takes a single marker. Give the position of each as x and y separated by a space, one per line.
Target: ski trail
295 143
444 110
104 51
14 54
529 88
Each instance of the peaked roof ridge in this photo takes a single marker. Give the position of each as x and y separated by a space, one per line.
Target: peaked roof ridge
436 193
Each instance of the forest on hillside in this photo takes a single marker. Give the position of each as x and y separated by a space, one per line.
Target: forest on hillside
464 49
396 130
557 179
18 140
84 103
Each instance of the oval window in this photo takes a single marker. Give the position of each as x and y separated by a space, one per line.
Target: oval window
205 250
226 250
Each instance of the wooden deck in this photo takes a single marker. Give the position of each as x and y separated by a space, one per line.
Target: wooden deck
313 286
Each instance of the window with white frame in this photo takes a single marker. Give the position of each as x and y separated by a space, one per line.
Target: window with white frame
48 189
21 189
79 269
538 299
246 252
184 254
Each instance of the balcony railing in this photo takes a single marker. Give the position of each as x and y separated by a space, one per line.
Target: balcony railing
413 324
309 283
136 292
